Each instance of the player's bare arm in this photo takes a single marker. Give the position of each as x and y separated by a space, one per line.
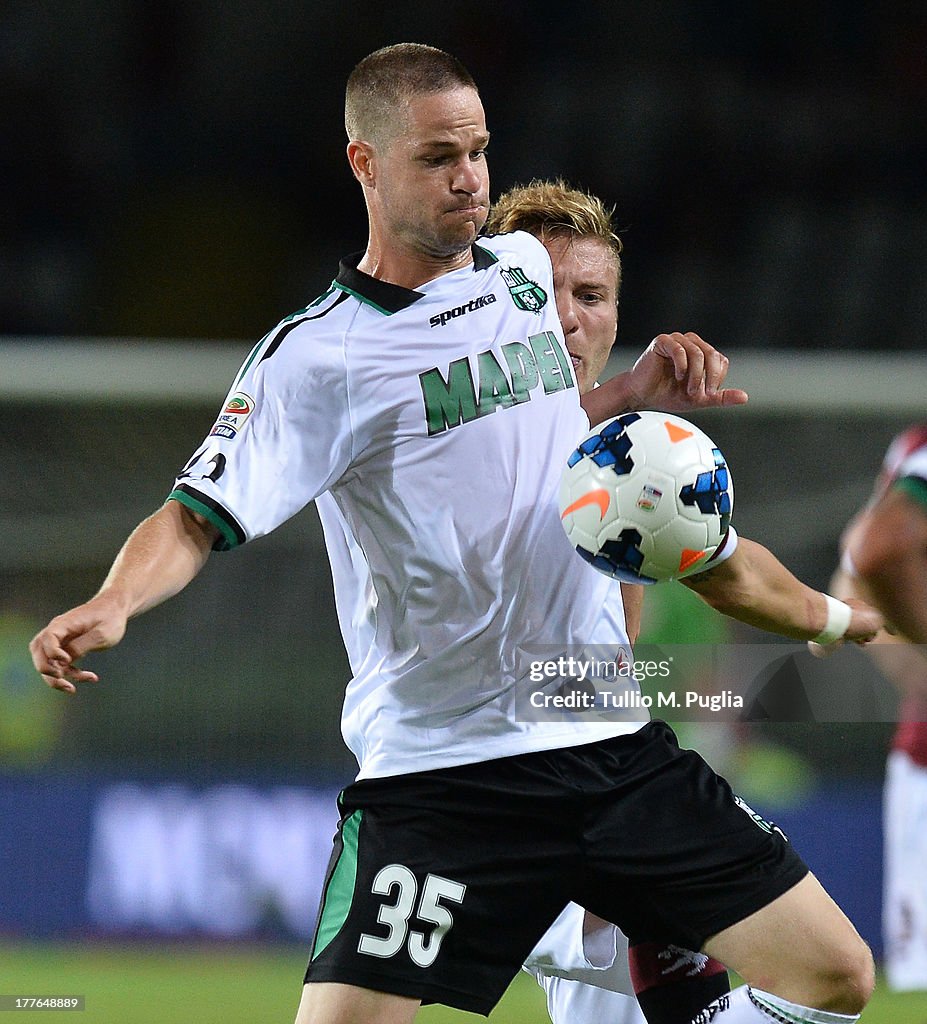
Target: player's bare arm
632 598
753 586
888 548
162 555
900 661
676 372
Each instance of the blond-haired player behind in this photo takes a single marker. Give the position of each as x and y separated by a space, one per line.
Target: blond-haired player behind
584 964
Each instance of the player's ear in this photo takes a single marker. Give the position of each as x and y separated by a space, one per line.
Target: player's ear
362 158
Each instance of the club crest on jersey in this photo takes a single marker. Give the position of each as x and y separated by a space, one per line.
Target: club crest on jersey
526 294
234 416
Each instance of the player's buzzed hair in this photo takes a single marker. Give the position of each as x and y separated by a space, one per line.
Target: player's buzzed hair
387 78
553 209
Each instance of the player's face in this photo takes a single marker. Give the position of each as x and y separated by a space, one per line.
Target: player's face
585 283
432 181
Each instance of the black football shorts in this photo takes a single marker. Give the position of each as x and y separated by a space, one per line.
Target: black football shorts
441 882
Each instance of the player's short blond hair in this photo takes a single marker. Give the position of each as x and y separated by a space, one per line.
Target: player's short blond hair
386 79
553 209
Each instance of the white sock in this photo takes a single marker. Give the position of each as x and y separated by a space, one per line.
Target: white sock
752 1006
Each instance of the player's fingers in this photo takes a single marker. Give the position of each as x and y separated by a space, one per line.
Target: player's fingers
64 685
666 347
823 650
48 654
687 357
731 396
697 356
64 678
55 663
716 367
82 675
59 673
865 623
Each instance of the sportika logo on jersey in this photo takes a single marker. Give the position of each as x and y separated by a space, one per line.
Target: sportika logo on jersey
466 393
440 319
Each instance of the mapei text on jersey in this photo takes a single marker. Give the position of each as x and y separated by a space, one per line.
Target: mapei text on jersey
464 394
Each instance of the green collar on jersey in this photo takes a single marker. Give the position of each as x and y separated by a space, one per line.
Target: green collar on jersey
390 298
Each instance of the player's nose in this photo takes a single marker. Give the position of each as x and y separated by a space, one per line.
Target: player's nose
467 179
568 318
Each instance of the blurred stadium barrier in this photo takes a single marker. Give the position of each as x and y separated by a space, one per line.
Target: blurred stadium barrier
155 859
156 371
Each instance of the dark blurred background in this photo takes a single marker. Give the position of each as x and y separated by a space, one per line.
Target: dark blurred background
176 171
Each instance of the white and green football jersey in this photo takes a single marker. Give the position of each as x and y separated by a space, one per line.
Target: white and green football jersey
432 426
905 463
914 466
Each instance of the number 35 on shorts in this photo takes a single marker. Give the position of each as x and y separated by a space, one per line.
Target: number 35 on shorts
400 885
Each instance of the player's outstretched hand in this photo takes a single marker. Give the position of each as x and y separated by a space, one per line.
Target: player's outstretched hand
679 372
864 625
55 650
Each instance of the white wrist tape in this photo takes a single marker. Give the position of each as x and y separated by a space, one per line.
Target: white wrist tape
838 621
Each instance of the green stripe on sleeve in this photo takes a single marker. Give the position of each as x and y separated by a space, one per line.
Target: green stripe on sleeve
228 538
339 894
247 363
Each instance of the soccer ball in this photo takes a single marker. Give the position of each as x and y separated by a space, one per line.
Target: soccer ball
646 497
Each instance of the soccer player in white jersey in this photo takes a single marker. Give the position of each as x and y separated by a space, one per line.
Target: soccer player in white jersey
429 392
885 561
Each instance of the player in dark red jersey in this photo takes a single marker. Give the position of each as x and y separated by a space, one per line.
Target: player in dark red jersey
885 560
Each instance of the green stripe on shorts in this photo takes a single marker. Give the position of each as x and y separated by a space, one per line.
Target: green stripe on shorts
339 893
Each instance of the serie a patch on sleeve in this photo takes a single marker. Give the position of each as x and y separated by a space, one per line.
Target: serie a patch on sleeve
234 416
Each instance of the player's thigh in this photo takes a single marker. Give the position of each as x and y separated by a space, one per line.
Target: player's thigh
328 1003
801 938
672 855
